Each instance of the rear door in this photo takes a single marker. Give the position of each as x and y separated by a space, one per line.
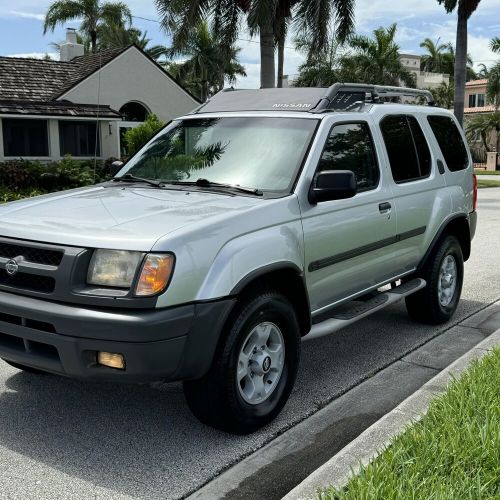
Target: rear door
345 240
416 181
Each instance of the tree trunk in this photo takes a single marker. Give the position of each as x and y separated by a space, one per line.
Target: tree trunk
281 60
93 41
460 62
267 71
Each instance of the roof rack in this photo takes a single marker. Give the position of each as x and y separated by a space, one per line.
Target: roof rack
344 96
339 97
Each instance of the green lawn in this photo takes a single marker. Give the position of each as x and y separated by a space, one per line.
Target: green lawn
484 183
452 453
487 172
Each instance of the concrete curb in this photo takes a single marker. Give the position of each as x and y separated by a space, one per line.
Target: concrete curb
337 471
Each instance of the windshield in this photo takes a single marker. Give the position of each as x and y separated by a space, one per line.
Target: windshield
256 152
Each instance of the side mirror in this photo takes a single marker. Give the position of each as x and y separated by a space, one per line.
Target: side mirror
116 166
332 185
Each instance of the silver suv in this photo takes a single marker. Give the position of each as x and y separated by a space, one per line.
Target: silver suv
262 218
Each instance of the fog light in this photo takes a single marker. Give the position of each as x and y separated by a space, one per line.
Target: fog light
111 359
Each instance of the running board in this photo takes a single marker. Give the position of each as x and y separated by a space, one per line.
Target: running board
347 314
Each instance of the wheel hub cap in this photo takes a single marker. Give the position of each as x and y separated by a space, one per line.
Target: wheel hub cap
447 282
260 363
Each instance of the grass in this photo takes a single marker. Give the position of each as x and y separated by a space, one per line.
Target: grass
487 172
452 453
484 183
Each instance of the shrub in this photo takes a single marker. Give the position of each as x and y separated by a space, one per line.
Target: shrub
136 137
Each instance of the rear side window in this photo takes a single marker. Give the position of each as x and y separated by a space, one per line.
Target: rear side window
409 155
350 147
450 142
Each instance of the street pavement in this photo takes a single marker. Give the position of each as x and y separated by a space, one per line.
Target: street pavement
65 439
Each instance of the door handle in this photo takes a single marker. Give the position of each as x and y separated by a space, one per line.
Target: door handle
384 207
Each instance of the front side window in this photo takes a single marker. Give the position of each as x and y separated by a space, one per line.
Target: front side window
350 147
450 142
254 152
23 138
79 138
407 149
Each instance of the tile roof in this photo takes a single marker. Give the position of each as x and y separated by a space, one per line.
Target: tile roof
481 109
56 108
473 83
41 80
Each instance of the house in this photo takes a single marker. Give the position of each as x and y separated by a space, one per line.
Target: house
81 104
423 79
476 103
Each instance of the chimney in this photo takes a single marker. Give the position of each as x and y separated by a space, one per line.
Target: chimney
70 48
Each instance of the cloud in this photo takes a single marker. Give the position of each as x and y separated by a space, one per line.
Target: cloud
27 15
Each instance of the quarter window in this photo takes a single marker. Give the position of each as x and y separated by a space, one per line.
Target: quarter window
450 142
409 155
25 137
78 138
350 147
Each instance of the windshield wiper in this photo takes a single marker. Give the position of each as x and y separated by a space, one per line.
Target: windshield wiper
209 184
133 178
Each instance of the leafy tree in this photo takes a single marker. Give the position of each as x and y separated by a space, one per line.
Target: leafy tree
464 8
208 65
444 94
493 89
136 137
482 125
264 17
92 12
377 59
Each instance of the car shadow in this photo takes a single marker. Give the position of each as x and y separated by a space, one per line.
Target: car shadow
143 441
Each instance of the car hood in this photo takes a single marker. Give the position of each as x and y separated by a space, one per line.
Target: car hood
122 217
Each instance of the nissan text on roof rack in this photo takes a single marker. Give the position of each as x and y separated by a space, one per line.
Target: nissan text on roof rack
263 218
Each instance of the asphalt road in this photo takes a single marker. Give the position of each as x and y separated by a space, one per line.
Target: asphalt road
65 439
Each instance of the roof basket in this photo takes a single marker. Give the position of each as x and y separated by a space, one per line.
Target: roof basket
345 96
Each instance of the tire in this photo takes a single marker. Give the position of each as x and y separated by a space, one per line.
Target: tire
438 301
24 368
231 397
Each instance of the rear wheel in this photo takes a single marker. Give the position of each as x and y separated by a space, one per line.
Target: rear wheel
254 369
443 272
24 367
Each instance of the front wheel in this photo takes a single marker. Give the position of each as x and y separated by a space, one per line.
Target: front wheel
254 369
444 274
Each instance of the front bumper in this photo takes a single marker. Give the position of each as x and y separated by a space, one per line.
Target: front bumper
162 344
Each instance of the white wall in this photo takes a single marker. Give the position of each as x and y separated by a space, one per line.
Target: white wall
133 77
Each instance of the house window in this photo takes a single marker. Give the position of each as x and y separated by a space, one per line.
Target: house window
79 138
23 138
477 100
134 112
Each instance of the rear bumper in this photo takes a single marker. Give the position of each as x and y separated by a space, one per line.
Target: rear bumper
162 344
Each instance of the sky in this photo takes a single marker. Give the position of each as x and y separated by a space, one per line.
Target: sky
21 32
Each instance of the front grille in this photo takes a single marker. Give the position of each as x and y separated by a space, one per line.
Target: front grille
31 254
30 282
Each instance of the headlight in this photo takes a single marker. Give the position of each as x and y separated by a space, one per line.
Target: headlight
114 268
155 274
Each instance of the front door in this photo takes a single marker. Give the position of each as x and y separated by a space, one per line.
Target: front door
346 240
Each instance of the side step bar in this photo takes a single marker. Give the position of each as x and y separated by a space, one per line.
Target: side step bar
347 314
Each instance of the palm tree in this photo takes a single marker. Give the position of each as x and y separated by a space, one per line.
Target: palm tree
443 94
264 17
465 9
376 60
493 89
482 125
92 13
433 60
208 63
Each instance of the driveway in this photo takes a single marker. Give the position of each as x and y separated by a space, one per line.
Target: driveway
65 439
